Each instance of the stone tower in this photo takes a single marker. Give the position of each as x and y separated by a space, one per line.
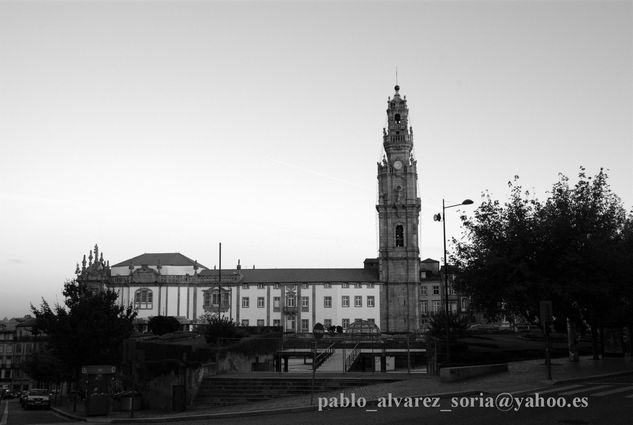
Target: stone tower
398 218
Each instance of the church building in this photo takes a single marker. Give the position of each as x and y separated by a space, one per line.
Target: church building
396 291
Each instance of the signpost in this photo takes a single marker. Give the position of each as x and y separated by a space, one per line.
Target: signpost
546 316
318 331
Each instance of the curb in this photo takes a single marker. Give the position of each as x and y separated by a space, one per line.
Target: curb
68 415
604 375
554 383
4 404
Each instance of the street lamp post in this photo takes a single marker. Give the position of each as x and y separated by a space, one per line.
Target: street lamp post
443 218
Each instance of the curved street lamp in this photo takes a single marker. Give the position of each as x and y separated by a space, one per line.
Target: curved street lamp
442 218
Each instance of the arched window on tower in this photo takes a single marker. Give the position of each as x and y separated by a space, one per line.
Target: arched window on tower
399 235
397 118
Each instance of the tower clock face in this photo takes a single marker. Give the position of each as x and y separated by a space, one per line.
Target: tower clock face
397 165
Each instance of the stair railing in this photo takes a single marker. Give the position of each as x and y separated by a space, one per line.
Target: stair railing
322 356
351 358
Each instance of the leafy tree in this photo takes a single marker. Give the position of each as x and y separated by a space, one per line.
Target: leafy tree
573 249
498 264
89 329
160 325
44 368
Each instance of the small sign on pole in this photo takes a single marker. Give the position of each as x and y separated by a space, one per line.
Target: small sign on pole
546 314
318 331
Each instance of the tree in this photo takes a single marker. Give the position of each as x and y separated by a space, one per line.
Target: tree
44 368
573 249
88 329
160 325
497 263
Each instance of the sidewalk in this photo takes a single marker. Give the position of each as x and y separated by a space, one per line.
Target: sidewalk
522 376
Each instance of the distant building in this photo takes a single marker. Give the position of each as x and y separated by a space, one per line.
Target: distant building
6 357
395 291
18 345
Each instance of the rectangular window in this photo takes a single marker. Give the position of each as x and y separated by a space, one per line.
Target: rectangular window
290 324
304 286
435 307
372 320
291 302
358 285
305 325
260 302
464 304
370 285
424 307
260 322
327 285
345 285
345 301
245 302
305 303
358 301
215 297
424 290
436 289
453 306
327 302
371 301
276 322
276 286
327 323
244 285
260 286
276 303
451 290
345 323
244 322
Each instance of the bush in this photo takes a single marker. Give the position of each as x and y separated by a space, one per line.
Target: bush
457 325
160 325
220 327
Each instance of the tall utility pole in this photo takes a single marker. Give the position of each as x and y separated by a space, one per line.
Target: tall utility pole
446 303
220 281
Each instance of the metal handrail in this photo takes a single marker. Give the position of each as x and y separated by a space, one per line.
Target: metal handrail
351 358
323 356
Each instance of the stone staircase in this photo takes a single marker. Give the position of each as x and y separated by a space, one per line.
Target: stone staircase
224 391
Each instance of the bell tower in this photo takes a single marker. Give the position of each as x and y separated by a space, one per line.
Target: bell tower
398 219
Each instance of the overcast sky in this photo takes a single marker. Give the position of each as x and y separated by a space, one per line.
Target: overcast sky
171 126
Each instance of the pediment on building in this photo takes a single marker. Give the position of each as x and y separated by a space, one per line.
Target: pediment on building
145 275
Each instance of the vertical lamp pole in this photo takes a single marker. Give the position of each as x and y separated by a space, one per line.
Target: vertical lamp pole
443 218
220 281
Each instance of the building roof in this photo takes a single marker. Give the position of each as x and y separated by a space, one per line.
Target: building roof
308 275
162 258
